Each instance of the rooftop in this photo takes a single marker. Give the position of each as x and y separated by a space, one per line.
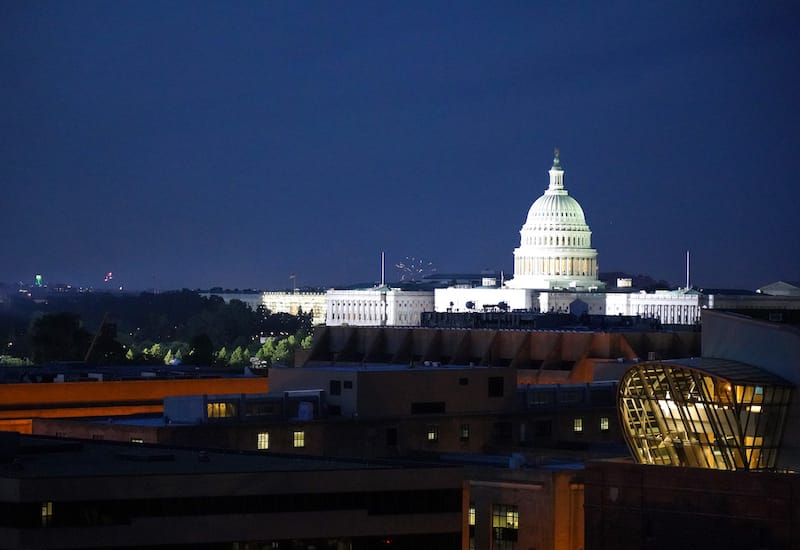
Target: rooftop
35 457
388 367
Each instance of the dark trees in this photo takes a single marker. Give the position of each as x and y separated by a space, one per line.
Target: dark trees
58 337
201 351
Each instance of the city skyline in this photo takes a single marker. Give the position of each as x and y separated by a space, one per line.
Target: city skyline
199 145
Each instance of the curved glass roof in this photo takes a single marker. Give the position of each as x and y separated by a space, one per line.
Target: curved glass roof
732 371
703 413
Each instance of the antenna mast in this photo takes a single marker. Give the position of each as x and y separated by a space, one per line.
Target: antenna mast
687 269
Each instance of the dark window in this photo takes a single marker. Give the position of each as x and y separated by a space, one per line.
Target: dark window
541 398
348 384
391 437
334 410
336 387
496 386
432 407
463 381
502 431
261 408
571 396
544 428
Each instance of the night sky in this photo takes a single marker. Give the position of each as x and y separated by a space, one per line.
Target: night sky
199 144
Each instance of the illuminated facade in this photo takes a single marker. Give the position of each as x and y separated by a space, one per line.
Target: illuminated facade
703 413
555 248
377 307
296 302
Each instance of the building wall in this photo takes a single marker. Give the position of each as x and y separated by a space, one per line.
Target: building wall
549 506
112 499
395 391
462 390
531 430
455 299
377 307
672 307
631 506
753 301
561 302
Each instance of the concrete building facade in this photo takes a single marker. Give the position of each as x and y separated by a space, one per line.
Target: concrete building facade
69 494
379 306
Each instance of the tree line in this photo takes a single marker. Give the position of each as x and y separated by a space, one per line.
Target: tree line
169 327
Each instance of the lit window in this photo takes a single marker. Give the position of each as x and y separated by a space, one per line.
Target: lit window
263 440
604 424
433 433
577 425
505 525
220 410
137 440
464 432
47 513
299 439
472 514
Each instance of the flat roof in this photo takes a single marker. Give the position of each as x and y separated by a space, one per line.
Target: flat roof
382 367
79 370
42 457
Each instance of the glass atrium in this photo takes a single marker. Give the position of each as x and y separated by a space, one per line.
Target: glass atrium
703 413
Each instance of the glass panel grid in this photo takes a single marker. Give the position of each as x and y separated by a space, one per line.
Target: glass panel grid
682 417
505 525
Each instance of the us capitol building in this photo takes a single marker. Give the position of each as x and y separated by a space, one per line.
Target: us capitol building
555 249
555 270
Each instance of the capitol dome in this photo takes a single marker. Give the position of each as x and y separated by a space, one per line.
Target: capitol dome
555 242
555 209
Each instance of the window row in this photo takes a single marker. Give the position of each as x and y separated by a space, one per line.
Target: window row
557 241
335 386
298 440
577 424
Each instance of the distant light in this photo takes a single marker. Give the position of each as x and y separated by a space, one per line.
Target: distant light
39 280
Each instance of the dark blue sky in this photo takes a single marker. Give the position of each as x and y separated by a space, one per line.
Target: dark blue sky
194 144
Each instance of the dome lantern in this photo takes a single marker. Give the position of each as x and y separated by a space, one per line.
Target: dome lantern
556 173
